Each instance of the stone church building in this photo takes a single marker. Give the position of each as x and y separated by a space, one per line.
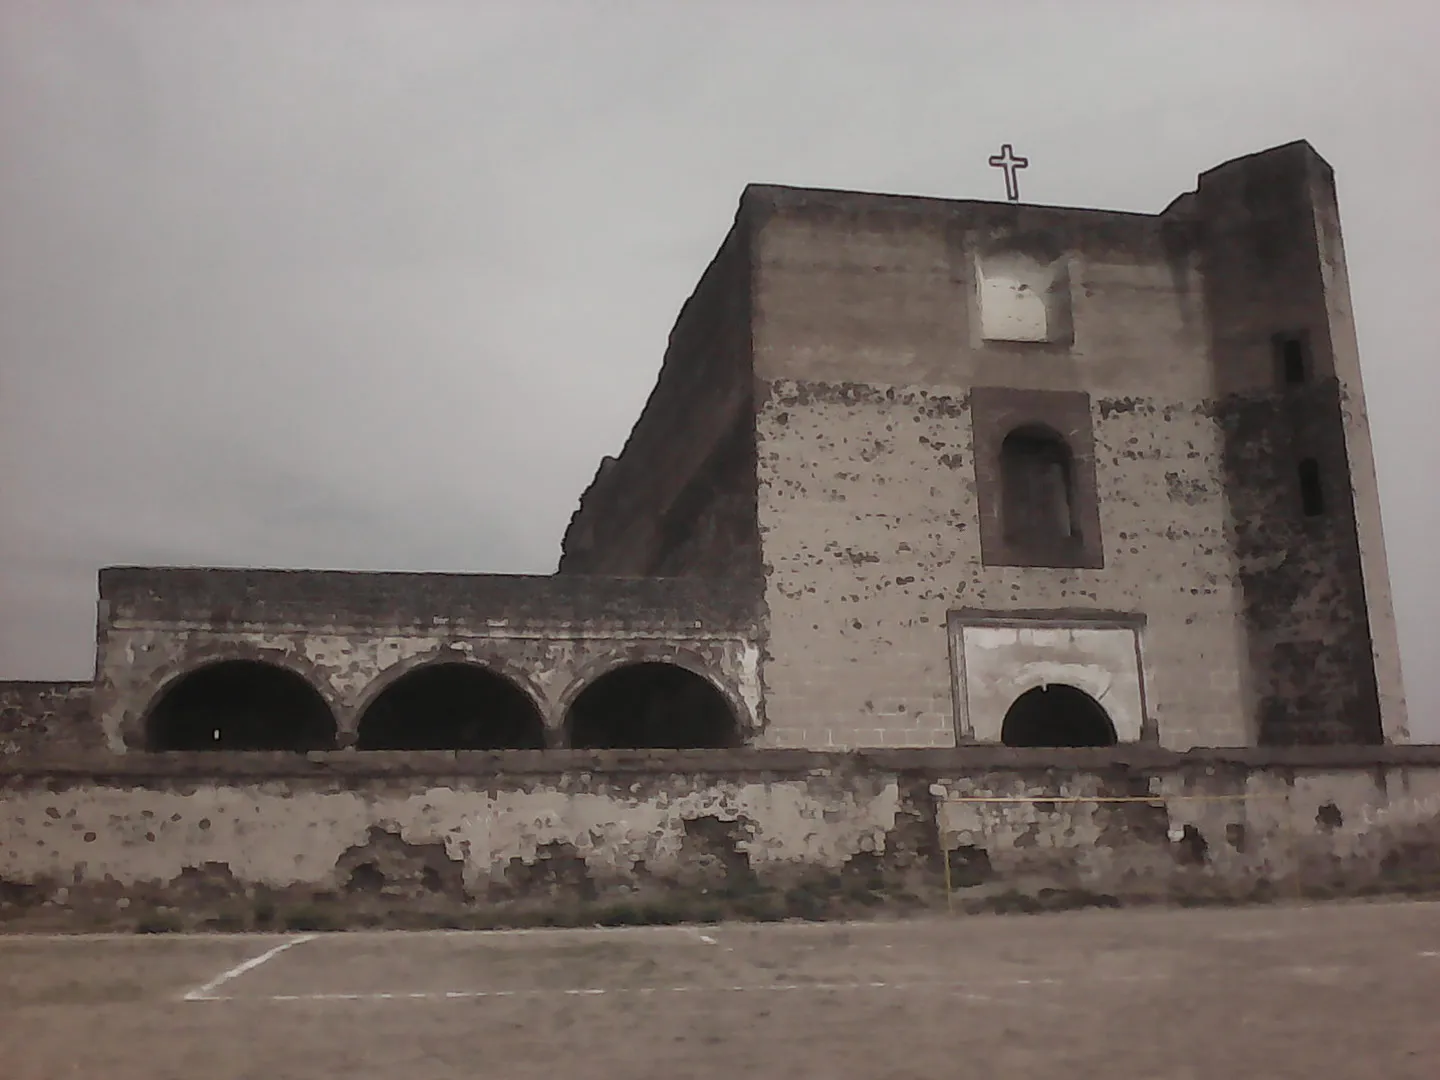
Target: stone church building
916 472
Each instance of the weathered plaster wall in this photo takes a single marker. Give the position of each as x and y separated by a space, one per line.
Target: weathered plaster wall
53 717
870 528
485 837
352 635
993 664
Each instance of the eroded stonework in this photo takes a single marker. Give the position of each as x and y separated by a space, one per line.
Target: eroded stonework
227 842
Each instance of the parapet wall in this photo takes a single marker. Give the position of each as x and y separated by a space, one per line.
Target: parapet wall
475 839
47 717
340 598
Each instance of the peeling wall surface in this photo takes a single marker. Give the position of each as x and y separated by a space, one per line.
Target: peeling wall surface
475 833
995 663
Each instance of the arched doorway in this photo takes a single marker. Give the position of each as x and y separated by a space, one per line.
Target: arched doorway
651 705
240 705
452 706
1057 715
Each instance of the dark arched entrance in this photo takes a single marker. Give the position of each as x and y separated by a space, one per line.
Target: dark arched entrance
240 705
651 705
454 706
1057 715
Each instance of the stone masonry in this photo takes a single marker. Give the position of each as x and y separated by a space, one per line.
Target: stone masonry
1201 363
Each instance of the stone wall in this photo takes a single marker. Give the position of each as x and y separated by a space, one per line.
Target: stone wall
867 337
476 839
1317 603
877 376
869 518
47 717
680 498
351 635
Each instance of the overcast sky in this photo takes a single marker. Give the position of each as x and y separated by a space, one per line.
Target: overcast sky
374 285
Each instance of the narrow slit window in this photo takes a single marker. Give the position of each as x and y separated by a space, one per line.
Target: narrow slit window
1290 358
1312 495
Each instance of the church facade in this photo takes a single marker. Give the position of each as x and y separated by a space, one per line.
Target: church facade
916 472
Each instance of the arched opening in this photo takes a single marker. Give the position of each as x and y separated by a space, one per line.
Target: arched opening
1037 506
651 705
451 706
1057 715
241 705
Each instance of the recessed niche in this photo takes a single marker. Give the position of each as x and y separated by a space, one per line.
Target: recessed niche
1024 299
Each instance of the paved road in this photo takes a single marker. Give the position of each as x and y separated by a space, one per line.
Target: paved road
1347 990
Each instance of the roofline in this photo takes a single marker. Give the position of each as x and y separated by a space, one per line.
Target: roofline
776 194
771 193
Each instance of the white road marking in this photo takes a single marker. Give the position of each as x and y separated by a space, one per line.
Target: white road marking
205 993
763 988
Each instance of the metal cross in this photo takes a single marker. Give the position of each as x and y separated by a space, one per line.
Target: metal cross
1007 160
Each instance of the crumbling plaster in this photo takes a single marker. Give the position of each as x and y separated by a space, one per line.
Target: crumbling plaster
279 834
869 523
1236 824
995 661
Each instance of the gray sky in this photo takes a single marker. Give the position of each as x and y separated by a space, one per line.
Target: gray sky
375 284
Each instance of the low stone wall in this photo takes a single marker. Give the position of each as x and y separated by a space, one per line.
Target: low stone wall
47 716
473 839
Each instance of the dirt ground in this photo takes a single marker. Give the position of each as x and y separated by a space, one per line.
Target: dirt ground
1342 990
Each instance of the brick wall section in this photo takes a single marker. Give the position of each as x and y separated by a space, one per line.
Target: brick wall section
47 718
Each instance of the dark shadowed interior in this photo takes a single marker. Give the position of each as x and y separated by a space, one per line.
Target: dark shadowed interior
1057 715
241 705
1038 508
455 706
651 705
